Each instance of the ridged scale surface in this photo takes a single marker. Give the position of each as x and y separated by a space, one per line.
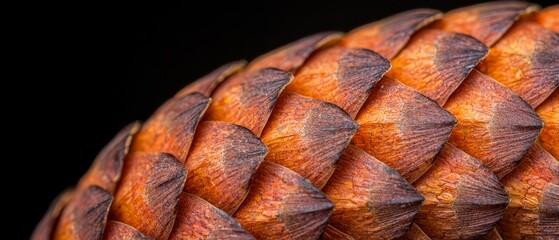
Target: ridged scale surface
410 127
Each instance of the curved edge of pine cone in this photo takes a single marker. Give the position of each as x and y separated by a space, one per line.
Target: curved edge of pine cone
418 126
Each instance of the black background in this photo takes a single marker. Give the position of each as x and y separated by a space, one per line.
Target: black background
81 72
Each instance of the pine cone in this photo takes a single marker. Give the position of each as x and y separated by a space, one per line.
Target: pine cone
422 125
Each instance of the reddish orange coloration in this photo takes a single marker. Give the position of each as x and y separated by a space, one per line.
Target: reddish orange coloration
342 76
223 158
184 181
402 128
496 132
282 203
493 235
148 195
208 83
45 228
171 128
247 99
525 60
198 219
487 21
332 233
549 18
463 198
435 62
372 201
549 112
534 190
415 233
85 215
388 36
120 231
106 169
292 56
307 136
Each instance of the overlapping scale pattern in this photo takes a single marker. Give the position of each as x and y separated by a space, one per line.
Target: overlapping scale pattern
423 125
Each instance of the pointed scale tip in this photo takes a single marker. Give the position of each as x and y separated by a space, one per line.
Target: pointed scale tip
402 128
247 99
85 215
486 21
372 201
171 128
342 76
198 219
148 195
389 35
463 198
221 163
496 132
106 169
292 56
415 233
526 60
116 230
435 62
549 112
534 190
307 136
208 83
282 203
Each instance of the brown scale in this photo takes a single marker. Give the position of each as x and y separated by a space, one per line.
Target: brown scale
198 219
116 230
280 201
207 84
533 187
171 128
342 76
496 132
85 215
372 200
247 99
221 163
463 198
549 112
415 233
525 60
307 136
402 128
148 195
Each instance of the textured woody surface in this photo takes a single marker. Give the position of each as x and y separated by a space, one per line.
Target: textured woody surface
313 140
308 136
526 60
463 198
198 219
282 203
120 231
371 199
497 132
148 196
534 191
402 128
85 215
223 158
549 112
415 233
